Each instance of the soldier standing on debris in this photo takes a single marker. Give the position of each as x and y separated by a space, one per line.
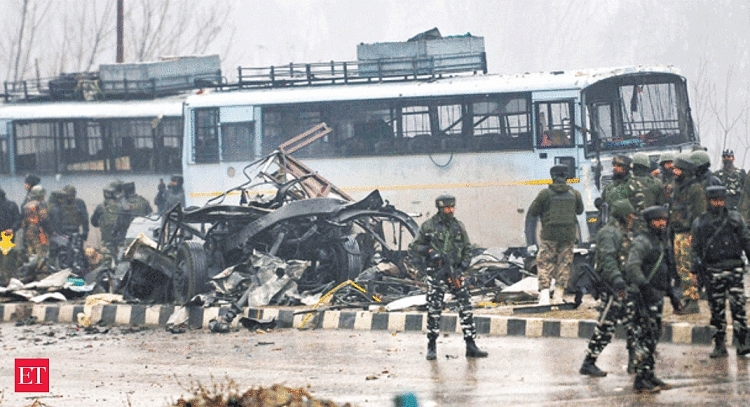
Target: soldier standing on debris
720 235
105 218
557 206
732 178
443 245
688 203
612 247
647 273
36 224
75 216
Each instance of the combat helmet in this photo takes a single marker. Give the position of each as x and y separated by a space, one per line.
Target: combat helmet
69 190
683 162
445 200
641 159
700 158
621 209
666 157
622 160
109 193
716 192
727 153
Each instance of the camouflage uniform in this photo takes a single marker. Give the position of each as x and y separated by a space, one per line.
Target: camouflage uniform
645 190
36 228
647 273
733 179
132 205
688 203
612 247
557 206
720 236
447 236
105 218
744 205
75 216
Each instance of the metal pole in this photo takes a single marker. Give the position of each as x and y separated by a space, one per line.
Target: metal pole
120 29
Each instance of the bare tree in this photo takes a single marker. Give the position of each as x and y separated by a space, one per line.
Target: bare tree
87 29
26 18
167 27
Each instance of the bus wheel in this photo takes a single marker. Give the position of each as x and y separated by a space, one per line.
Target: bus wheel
189 277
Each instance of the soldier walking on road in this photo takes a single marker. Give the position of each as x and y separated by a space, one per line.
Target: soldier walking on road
612 247
442 244
688 203
720 236
557 206
647 273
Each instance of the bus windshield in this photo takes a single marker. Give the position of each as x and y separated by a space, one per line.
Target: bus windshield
635 112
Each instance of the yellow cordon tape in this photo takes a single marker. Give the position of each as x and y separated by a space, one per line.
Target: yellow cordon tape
327 296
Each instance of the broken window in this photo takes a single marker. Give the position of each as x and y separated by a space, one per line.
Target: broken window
554 121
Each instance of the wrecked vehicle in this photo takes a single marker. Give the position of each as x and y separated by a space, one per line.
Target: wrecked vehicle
285 210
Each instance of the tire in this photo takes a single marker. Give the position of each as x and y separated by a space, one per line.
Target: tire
349 259
190 275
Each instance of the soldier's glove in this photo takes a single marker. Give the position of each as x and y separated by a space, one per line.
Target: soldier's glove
620 289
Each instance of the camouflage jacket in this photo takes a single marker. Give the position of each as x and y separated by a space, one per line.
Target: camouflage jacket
74 217
744 205
612 247
645 191
648 262
444 234
616 190
542 207
688 203
105 218
733 180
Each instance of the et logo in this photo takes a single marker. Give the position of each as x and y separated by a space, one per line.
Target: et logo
32 375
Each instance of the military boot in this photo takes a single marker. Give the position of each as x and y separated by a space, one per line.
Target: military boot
642 384
431 350
661 384
472 351
720 347
690 307
589 368
742 347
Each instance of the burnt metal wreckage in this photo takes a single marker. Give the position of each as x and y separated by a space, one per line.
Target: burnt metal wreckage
292 232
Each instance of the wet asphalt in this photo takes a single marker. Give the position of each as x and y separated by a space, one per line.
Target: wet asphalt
151 367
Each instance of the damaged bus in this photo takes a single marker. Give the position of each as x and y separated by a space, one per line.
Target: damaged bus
488 139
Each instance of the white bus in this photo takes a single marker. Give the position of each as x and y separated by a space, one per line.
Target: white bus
488 139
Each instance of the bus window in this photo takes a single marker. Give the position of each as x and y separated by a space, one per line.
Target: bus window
82 146
206 141
132 145
500 123
168 142
35 147
4 156
237 141
554 124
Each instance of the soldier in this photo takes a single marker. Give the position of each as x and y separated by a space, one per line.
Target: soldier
618 188
132 205
175 193
744 205
29 182
36 230
443 245
703 173
688 203
645 190
105 218
647 275
612 246
732 178
10 215
666 174
75 216
557 206
720 235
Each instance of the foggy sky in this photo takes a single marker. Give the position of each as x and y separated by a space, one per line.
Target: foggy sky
706 39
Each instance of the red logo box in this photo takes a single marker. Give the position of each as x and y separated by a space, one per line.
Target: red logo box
32 375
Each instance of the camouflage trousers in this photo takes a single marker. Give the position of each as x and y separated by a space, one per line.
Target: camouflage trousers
647 331
436 289
620 311
683 261
554 260
729 283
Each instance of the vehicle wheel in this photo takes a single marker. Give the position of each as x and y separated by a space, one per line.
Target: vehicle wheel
190 272
348 259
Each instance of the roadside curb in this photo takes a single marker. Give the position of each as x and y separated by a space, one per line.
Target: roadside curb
198 318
